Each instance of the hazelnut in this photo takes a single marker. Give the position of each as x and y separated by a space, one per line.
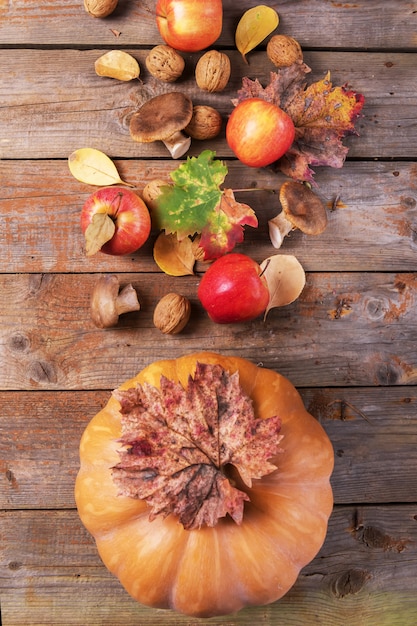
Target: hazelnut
212 71
152 191
172 313
165 63
283 51
100 8
206 123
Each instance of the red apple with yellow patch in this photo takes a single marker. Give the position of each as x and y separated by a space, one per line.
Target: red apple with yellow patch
115 220
189 25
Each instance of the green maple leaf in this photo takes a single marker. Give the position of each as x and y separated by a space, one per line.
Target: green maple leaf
195 204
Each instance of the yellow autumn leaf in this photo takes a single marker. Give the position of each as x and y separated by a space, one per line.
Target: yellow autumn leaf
172 256
93 167
254 26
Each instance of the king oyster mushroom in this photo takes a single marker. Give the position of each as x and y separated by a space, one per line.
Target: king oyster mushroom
301 208
108 301
163 118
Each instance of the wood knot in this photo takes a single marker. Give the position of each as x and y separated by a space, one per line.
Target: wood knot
42 372
373 537
19 342
350 582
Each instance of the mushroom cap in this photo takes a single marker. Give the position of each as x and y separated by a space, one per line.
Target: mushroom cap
160 117
303 208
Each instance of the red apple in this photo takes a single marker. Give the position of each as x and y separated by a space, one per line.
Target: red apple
233 290
127 211
259 132
189 25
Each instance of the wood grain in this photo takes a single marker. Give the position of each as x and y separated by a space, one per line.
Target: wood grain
372 220
348 343
40 434
49 118
345 329
352 578
374 24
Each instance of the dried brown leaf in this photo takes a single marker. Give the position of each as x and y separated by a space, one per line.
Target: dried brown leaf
178 444
285 277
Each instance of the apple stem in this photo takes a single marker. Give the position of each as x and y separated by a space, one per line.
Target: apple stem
265 268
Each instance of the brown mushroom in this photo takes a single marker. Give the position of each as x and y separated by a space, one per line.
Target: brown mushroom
301 208
162 118
107 302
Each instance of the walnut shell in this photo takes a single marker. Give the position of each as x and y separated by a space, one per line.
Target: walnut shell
283 51
172 313
100 8
165 63
206 123
212 71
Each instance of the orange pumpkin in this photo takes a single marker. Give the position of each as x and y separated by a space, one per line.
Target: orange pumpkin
219 569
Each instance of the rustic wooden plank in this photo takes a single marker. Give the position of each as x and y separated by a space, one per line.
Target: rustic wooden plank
49 117
364 574
40 434
344 330
371 225
387 23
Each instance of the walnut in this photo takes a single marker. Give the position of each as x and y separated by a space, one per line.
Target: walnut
283 51
212 71
206 123
165 63
172 313
100 8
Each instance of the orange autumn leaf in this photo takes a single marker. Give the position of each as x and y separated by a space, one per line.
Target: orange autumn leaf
174 257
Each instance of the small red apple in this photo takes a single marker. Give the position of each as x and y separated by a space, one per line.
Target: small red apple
189 25
125 213
259 132
233 289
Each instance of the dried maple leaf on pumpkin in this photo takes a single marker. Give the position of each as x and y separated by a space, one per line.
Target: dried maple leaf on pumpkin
195 204
322 114
178 443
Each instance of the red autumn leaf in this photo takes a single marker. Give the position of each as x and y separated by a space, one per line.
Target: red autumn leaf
178 444
323 116
224 228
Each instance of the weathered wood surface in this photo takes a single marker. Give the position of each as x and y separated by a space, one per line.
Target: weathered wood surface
344 329
373 225
376 588
59 104
39 451
349 343
374 24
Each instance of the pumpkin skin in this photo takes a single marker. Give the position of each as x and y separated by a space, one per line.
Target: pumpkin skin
213 571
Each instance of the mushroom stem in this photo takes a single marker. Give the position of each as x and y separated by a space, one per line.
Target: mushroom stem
177 144
107 303
127 300
279 227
